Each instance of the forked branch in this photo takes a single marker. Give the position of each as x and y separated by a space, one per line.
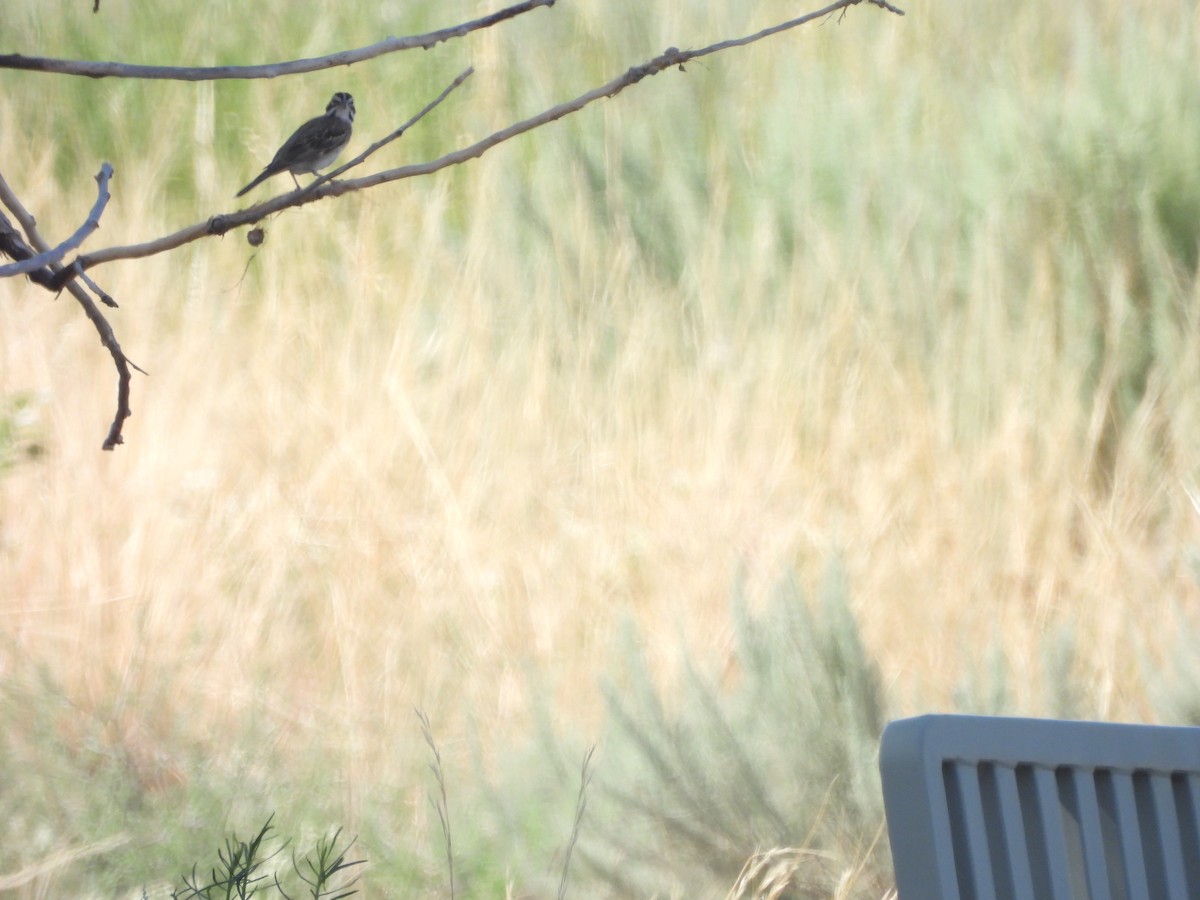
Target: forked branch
14 245
31 264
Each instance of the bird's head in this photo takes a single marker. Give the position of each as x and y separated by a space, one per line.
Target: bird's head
342 106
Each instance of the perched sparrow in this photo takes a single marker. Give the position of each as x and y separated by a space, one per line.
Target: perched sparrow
315 144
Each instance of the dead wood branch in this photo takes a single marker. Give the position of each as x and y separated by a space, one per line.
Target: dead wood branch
89 69
12 244
90 224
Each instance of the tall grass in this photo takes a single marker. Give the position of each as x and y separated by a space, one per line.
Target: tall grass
918 294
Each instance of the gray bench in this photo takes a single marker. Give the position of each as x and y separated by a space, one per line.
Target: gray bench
983 808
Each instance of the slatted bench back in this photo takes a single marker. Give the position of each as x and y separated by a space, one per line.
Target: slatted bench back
984 808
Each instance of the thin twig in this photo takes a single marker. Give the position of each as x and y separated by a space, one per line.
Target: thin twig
585 779
395 135
123 364
90 224
441 805
223 223
96 69
773 30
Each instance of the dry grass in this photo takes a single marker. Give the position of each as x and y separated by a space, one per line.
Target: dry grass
416 443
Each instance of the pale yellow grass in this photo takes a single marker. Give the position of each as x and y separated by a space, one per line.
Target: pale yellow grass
392 477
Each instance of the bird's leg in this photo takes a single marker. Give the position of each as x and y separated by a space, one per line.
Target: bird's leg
295 179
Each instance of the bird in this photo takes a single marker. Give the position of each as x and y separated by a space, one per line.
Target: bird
314 145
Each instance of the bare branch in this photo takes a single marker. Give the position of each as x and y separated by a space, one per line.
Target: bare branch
14 245
123 364
92 69
55 280
841 5
29 224
221 224
29 265
322 187
107 337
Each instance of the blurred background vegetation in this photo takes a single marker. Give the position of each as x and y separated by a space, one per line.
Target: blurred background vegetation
850 375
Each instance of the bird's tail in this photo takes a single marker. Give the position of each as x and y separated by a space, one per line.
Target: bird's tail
262 176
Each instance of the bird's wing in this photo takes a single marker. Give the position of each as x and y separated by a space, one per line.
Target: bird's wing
314 133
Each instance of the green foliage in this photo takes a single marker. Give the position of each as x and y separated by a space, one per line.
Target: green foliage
20 431
1116 194
241 870
988 685
440 802
758 771
238 872
117 804
774 752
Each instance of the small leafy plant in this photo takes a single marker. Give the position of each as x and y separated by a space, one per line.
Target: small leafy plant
242 870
